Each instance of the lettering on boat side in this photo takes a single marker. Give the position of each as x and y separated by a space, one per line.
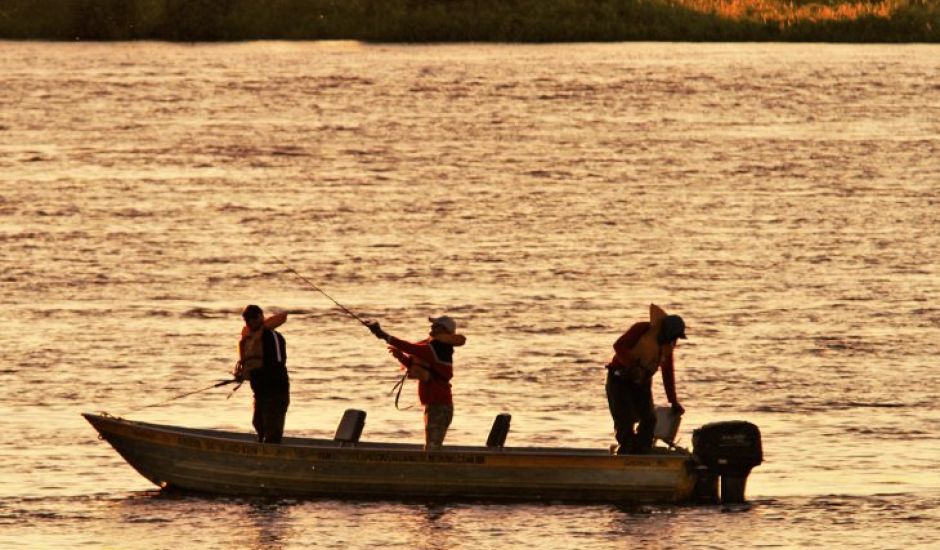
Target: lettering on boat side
143 433
223 446
436 458
237 448
189 442
647 463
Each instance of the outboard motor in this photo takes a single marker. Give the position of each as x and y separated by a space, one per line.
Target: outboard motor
727 450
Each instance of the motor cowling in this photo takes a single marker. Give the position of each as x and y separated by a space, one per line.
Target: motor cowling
727 450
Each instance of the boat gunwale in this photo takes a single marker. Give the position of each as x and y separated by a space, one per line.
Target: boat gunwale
406 448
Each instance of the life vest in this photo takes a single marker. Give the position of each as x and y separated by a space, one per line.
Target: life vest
251 352
648 353
419 369
251 348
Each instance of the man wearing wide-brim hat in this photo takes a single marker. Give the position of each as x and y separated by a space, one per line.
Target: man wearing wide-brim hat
431 362
638 354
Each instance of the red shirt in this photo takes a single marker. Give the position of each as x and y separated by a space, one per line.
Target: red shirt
623 360
435 391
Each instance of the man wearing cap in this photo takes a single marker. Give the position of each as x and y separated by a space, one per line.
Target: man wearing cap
638 354
263 362
431 362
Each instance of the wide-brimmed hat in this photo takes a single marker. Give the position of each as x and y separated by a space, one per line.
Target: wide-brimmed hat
445 322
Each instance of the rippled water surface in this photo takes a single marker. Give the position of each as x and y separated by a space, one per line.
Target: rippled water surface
784 199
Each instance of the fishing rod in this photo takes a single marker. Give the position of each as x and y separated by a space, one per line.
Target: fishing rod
234 380
396 389
318 289
218 384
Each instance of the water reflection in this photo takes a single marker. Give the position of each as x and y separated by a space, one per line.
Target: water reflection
434 529
269 524
640 523
216 522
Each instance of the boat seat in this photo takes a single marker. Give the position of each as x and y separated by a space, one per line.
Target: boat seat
499 431
350 427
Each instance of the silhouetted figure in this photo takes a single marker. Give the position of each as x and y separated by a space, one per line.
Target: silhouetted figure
263 362
638 354
430 361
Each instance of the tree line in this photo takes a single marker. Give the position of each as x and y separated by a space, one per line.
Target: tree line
474 20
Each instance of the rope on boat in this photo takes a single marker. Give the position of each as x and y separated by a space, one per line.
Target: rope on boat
396 389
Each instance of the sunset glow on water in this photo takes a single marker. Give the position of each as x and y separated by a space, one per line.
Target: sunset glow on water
782 198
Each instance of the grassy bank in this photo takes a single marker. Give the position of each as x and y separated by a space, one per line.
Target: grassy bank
474 20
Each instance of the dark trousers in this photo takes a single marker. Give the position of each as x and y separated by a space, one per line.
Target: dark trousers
631 403
268 418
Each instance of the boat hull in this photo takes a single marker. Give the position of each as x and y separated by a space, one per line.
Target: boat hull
228 463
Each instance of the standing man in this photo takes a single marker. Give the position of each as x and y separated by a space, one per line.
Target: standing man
263 362
431 362
638 354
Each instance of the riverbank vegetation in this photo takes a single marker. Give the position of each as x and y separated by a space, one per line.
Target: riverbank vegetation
474 20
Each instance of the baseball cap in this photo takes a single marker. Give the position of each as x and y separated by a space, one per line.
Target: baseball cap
673 327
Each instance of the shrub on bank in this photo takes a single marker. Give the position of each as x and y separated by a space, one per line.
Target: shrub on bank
474 20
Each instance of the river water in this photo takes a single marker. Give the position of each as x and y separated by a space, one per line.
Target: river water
784 199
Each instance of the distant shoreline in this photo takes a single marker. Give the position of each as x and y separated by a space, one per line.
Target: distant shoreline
429 21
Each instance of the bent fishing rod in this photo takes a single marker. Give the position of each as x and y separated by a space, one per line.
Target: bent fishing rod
234 380
318 289
396 389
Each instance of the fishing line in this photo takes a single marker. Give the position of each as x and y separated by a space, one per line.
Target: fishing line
318 289
396 389
182 395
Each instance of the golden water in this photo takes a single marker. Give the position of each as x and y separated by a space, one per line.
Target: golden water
784 199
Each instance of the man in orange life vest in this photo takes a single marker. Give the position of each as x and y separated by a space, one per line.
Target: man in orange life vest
638 354
263 361
431 362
